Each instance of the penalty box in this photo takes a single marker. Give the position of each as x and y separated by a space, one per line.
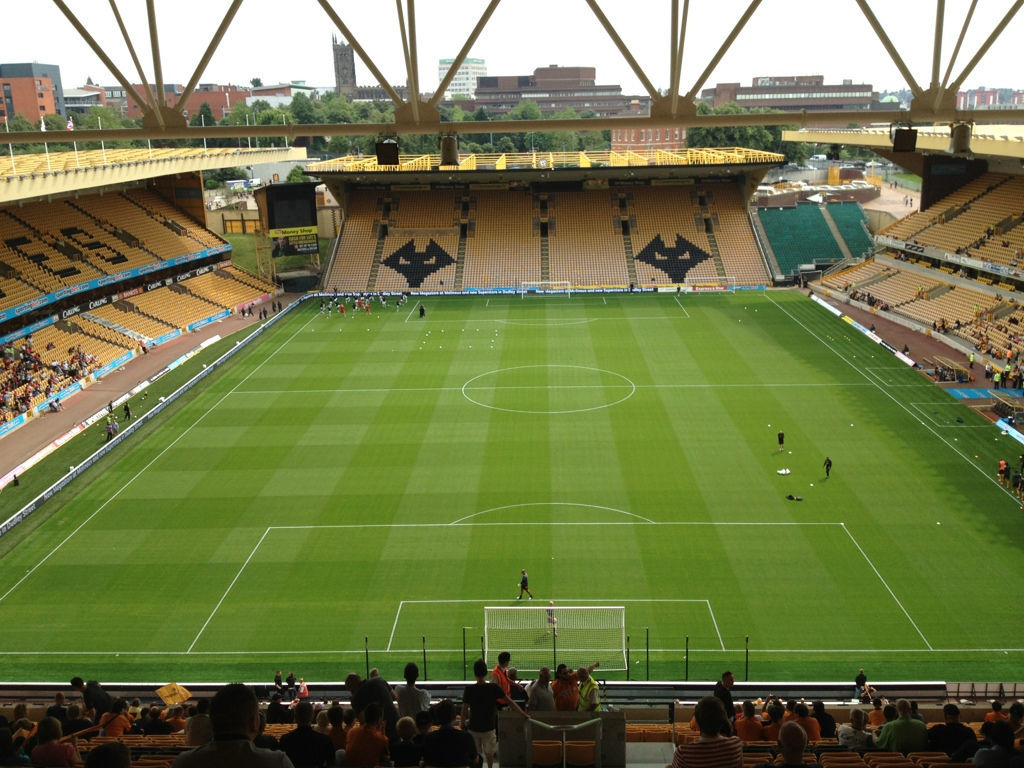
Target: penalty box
394 587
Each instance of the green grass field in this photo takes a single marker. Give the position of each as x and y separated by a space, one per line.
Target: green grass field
376 480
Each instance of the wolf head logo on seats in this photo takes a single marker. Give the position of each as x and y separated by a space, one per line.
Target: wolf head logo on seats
675 261
416 266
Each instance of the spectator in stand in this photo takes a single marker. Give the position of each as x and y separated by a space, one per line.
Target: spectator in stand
50 750
516 690
265 740
877 715
856 735
904 734
776 717
802 716
792 743
113 754
914 713
323 722
748 727
590 694
198 730
411 699
539 697
565 687
336 717
235 716
448 746
949 735
890 713
1000 754
1017 719
366 743
712 749
153 724
305 747
374 688
406 753
425 724
499 675
480 712
175 719
277 712
96 700
117 722
76 723
826 723
723 692
59 708
996 714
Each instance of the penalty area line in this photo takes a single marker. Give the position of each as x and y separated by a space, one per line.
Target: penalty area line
676 297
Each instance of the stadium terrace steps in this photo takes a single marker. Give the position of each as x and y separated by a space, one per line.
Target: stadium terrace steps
851 222
831 224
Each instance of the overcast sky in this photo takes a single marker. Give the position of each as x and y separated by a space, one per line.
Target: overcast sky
291 40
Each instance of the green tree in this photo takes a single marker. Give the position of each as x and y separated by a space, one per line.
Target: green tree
297 173
256 82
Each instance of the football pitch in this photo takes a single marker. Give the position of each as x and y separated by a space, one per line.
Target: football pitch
356 489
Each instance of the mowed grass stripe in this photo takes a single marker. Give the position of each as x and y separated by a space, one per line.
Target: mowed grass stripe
363 422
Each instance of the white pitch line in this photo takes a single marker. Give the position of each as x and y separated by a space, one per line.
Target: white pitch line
888 394
156 458
414 308
886 585
226 591
395 625
676 385
681 306
715 622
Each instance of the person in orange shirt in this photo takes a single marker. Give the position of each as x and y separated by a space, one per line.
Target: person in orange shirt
876 716
366 743
173 717
117 721
776 716
997 713
565 687
499 676
748 727
803 718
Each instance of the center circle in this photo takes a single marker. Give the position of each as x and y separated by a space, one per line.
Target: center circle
548 389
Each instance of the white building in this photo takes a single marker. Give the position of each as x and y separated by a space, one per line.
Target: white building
464 82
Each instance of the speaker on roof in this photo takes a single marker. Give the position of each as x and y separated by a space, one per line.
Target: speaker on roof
904 140
387 153
449 150
960 139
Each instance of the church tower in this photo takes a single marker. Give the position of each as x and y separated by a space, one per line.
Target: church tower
344 69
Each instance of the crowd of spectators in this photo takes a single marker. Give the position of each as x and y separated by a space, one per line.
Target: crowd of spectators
399 726
24 375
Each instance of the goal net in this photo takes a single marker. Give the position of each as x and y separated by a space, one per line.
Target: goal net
709 284
541 287
543 635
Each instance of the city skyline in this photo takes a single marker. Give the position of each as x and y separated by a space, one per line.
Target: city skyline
783 37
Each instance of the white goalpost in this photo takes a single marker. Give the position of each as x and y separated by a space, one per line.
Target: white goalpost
544 287
543 635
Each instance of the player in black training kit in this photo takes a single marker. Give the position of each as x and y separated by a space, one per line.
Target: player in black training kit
524 585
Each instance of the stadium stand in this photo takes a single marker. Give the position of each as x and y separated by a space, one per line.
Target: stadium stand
852 225
740 254
421 246
503 246
353 259
584 244
668 244
799 236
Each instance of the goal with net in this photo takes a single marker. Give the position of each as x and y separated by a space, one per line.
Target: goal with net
544 635
543 287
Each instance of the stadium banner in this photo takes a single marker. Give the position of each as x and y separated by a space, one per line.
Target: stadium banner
13 424
705 288
29 330
826 305
291 241
1009 429
866 331
114 365
165 338
69 390
212 318
100 282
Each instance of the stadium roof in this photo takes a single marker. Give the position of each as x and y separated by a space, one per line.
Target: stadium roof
24 177
933 100
989 140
